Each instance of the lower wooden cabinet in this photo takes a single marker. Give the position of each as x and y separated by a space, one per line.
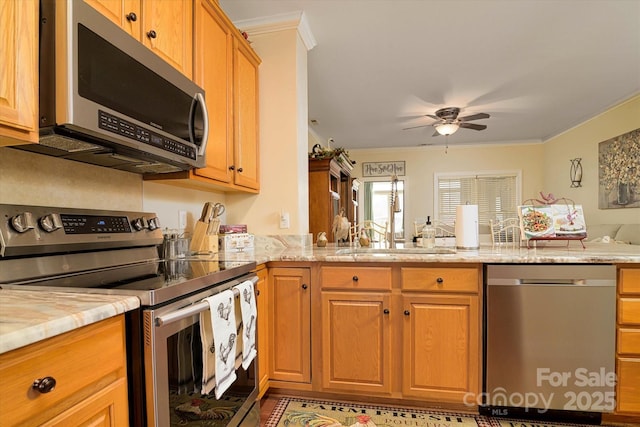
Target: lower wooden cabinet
356 337
290 324
628 341
262 306
89 368
401 331
441 343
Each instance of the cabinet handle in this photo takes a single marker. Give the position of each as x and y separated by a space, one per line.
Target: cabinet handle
440 280
385 311
304 286
44 385
240 170
355 278
131 17
232 168
407 312
257 292
152 34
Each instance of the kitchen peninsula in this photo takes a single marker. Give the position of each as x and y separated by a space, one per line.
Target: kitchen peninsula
321 288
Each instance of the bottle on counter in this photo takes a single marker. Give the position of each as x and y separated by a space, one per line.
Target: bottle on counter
429 235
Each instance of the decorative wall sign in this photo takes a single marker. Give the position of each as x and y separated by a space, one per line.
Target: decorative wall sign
619 171
383 169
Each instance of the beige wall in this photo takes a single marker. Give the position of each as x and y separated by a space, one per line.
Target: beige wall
423 162
582 141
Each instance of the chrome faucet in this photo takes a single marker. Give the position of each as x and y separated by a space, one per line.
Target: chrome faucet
394 207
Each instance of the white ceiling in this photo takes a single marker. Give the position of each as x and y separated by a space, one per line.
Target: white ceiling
538 67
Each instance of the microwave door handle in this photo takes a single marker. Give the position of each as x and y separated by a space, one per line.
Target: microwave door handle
199 100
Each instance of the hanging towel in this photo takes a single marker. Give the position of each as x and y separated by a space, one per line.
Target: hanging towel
249 319
218 330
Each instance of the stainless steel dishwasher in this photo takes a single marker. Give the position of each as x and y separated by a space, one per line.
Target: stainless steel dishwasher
549 341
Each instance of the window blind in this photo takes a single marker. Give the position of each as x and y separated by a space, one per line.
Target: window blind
495 195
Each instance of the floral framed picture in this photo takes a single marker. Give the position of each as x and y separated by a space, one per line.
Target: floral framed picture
619 171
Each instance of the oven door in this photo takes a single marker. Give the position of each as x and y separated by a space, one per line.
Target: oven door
173 370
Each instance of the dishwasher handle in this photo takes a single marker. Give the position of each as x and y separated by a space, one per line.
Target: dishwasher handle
550 282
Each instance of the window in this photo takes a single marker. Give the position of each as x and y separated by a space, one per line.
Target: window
377 206
497 195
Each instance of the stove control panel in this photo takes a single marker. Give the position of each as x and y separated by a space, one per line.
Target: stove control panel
28 230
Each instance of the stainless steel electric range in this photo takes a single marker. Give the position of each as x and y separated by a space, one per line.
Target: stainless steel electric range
117 252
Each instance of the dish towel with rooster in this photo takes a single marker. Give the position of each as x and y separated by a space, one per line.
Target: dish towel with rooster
218 330
249 318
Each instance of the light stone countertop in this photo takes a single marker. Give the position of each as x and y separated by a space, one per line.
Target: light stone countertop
30 316
279 248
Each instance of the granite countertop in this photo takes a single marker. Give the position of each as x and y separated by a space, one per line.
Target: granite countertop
281 248
30 316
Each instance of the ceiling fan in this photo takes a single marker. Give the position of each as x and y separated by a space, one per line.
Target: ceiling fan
448 122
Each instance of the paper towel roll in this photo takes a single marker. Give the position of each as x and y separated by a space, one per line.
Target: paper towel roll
467 227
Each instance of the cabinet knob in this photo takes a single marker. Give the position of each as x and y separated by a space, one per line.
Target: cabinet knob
152 34
44 385
232 168
385 311
440 280
240 170
131 17
355 278
257 292
304 286
407 312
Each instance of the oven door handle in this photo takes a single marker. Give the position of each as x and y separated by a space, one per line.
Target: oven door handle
191 310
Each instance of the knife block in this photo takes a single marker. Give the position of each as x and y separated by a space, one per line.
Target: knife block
209 244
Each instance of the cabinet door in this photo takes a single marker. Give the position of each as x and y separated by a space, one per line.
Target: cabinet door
356 342
106 408
213 72
441 347
167 30
262 302
125 13
19 72
628 398
246 130
290 335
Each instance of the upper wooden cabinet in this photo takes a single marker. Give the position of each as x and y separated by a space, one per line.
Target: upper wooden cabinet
19 72
227 69
165 27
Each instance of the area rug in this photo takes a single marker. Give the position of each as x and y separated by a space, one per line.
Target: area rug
295 412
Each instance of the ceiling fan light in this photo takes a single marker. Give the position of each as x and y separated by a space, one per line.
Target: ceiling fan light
447 128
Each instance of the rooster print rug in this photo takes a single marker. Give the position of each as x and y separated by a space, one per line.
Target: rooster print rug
295 412
310 413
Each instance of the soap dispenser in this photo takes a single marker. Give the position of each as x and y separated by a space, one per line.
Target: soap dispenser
429 235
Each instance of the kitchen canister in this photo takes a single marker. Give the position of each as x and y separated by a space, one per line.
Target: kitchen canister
467 227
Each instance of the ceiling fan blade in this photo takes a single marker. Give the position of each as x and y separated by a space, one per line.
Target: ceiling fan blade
473 126
432 116
415 127
474 117
436 134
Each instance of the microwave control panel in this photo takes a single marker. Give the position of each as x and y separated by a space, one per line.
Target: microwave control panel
119 126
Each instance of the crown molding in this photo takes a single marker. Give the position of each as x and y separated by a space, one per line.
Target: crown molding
284 21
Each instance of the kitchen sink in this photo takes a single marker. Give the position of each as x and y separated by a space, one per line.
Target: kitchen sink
396 251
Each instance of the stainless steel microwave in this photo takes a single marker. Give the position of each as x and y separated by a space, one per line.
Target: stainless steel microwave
107 100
